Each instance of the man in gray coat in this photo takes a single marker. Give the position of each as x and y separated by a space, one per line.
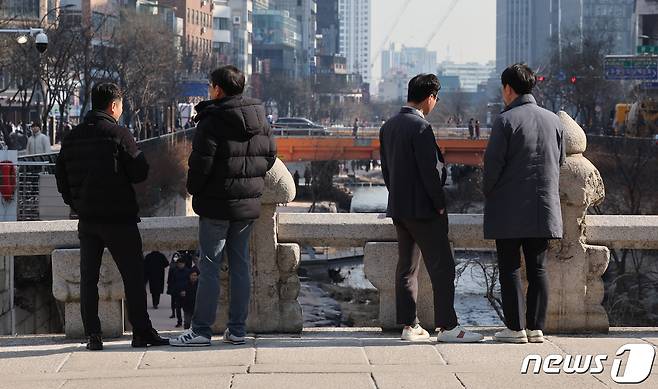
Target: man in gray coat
522 208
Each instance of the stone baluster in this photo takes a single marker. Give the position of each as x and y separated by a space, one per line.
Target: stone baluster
574 267
275 284
66 288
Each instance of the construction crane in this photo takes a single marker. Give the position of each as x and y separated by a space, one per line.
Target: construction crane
398 18
451 7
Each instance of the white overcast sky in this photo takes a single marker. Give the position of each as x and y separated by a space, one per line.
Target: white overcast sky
468 34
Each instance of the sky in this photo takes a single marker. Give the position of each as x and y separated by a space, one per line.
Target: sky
468 34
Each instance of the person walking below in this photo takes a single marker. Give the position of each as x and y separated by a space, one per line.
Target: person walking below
154 269
471 129
233 149
96 168
189 298
307 176
179 279
355 128
477 129
295 178
38 143
414 173
170 281
522 201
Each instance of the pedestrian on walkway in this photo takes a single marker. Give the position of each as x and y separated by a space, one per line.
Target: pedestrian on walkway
38 142
355 128
522 201
170 281
471 128
477 129
96 168
154 269
414 173
179 279
233 149
295 178
189 298
307 176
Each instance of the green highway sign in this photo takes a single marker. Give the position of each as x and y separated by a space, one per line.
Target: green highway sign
628 67
647 49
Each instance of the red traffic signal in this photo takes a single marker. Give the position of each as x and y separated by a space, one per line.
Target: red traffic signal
574 79
541 78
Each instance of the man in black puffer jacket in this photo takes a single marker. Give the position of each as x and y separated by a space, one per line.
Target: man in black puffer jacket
232 151
96 167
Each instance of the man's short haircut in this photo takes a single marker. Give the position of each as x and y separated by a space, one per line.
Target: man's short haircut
36 124
229 78
423 86
520 77
103 94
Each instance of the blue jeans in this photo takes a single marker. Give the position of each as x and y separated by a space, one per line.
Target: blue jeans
214 236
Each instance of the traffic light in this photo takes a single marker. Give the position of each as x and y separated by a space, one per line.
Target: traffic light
541 79
574 79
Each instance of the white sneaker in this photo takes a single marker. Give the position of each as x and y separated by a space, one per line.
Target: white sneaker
414 333
230 338
189 339
458 335
535 336
511 336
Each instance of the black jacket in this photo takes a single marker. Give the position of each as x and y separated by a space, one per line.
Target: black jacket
413 167
190 296
96 167
233 149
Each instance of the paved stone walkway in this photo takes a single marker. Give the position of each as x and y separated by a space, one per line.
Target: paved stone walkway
322 358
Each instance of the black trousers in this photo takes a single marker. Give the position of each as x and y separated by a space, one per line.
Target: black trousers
431 237
125 244
177 302
517 316
155 298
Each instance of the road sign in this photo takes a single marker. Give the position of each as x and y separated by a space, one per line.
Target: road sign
622 67
647 49
653 85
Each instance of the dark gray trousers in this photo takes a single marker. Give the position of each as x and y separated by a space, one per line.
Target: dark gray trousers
431 237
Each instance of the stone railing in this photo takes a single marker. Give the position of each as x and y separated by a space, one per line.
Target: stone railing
576 262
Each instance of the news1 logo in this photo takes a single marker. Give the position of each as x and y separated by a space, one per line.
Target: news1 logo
638 364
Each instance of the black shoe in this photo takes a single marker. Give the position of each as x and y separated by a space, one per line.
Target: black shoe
155 307
150 338
178 325
95 342
172 316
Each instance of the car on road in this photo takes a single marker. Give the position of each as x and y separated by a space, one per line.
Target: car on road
297 126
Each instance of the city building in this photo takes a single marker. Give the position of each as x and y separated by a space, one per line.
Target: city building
354 36
277 43
328 28
22 11
305 12
471 75
242 27
197 33
647 23
409 60
261 4
526 30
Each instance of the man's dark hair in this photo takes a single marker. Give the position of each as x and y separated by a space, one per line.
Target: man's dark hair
103 94
229 78
423 86
520 77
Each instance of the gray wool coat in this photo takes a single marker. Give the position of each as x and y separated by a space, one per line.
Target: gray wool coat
522 173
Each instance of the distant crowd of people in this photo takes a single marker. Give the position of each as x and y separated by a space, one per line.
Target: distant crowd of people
23 137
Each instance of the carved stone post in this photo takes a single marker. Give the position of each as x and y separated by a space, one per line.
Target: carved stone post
66 288
275 284
575 268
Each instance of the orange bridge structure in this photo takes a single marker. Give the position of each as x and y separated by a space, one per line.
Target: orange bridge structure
328 148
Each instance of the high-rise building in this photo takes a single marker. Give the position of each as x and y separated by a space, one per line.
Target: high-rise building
277 43
408 60
526 29
261 4
242 26
328 28
471 75
647 22
305 12
355 26
25 10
